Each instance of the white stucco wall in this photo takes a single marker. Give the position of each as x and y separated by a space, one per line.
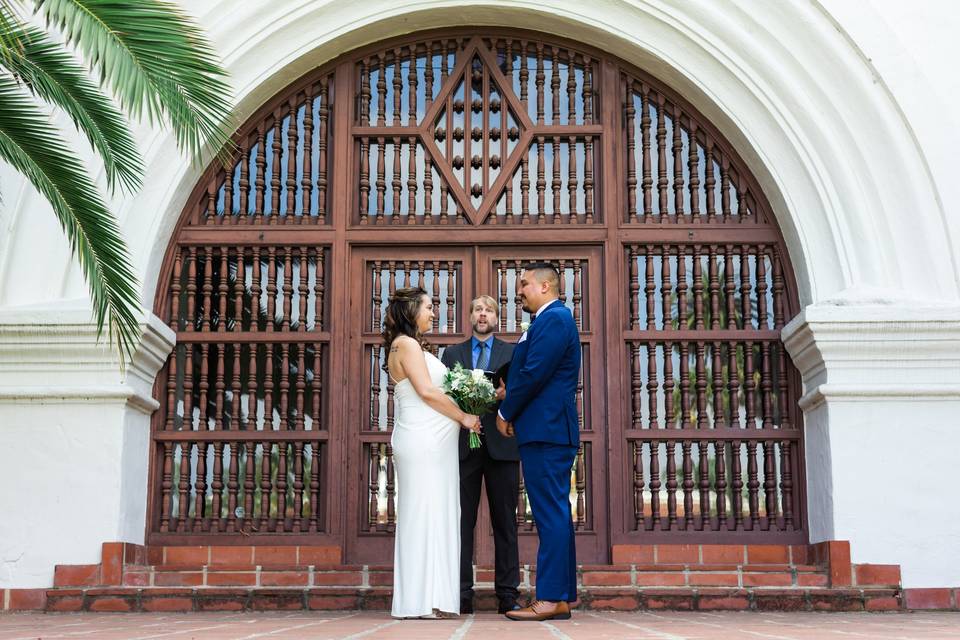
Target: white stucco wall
842 110
68 464
886 470
898 508
881 433
74 441
911 47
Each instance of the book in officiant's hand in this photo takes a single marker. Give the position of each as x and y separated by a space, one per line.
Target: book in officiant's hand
498 376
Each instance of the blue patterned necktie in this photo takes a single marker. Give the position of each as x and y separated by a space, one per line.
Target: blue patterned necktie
483 358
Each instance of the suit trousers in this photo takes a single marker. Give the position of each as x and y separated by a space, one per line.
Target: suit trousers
546 474
502 478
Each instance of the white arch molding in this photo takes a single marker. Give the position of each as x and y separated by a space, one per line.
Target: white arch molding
828 144
837 160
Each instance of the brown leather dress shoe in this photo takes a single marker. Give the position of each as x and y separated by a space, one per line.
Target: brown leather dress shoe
541 610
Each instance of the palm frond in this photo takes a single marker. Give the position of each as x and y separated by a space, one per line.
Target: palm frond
9 21
53 75
28 145
157 62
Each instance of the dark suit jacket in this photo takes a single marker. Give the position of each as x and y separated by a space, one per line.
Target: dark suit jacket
497 446
541 389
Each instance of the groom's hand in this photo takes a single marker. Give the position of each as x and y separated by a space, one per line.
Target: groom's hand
505 428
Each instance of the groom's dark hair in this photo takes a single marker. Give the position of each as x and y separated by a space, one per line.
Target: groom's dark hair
545 272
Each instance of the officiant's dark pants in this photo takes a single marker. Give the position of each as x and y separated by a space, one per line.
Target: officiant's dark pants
502 478
546 476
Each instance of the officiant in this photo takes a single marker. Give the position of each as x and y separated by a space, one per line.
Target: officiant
496 463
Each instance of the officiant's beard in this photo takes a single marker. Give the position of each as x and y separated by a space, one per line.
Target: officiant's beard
484 331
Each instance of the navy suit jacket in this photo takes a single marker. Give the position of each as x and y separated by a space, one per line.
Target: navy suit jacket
542 383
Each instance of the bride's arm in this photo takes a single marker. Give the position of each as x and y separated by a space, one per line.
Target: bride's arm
414 365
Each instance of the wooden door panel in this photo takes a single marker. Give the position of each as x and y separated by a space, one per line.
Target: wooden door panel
453 276
377 273
499 270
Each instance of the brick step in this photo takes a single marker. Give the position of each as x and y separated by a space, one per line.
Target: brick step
784 576
128 599
258 576
662 554
876 575
644 576
263 555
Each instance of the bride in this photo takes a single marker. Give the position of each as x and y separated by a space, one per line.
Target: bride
426 565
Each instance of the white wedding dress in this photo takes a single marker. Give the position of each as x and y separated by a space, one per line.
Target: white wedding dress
426 563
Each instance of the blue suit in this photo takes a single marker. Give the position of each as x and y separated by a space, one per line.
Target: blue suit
541 404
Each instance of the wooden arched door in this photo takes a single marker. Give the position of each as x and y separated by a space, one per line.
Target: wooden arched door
448 159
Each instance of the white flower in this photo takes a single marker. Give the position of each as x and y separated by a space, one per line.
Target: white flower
470 389
524 326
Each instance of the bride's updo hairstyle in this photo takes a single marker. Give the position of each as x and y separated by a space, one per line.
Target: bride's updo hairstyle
401 316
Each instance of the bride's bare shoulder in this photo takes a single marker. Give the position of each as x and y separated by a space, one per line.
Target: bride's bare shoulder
404 343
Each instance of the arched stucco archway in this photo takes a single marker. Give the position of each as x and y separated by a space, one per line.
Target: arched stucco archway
825 138
827 143
844 173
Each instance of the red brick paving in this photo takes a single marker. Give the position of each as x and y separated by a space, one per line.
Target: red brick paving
725 625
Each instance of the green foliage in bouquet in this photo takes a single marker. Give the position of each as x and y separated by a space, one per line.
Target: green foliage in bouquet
472 391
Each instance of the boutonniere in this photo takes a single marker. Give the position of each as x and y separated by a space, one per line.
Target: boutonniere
524 326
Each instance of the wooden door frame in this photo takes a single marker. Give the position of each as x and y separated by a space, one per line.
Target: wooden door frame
360 546
344 234
476 277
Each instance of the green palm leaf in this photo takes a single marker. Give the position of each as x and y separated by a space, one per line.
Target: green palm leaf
51 74
28 144
155 60
9 22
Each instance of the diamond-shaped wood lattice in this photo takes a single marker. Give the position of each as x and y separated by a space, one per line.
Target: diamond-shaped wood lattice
477 128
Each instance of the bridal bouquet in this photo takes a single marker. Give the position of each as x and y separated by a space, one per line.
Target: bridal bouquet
472 391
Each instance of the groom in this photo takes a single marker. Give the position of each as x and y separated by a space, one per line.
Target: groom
496 463
540 408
